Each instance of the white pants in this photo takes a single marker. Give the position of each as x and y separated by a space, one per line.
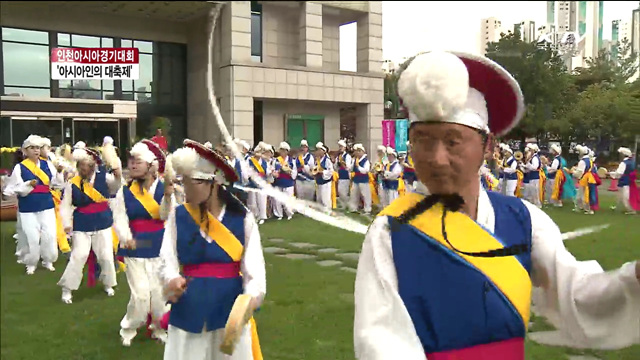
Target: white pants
277 205
501 188
258 204
550 185
382 196
183 345
580 204
623 198
22 245
391 195
305 189
410 186
39 229
101 242
360 191
534 192
510 189
343 192
323 195
146 294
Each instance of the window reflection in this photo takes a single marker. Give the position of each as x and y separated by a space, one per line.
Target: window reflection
143 98
107 42
29 36
64 39
51 129
144 46
127 85
26 92
107 85
85 41
25 65
146 73
80 89
126 43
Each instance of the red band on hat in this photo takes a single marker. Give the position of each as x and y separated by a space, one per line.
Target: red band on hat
213 157
157 152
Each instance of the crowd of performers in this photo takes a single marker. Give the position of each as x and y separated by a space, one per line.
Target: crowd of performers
542 180
168 231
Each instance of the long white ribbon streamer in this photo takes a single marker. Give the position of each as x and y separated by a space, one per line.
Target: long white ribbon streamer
303 207
583 231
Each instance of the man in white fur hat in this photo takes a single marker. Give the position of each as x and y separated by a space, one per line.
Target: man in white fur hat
343 163
32 180
508 171
324 177
360 190
240 166
391 174
626 173
257 201
532 175
305 184
586 198
448 271
552 172
285 175
377 169
85 211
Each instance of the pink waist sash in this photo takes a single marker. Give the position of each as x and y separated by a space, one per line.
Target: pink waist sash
512 349
212 270
40 189
146 225
285 176
94 208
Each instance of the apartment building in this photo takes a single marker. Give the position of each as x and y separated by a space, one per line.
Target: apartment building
276 70
490 29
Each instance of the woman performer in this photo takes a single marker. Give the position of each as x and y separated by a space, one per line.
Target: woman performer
214 239
139 211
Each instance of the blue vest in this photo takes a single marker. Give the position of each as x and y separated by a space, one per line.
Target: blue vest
149 242
587 167
512 176
630 166
96 221
451 303
302 176
359 178
319 179
409 175
35 202
263 163
391 184
552 175
284 180
238 168
207 300
535 175
343 174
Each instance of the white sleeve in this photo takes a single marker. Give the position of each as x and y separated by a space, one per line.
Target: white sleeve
252 264
15 184
533 164
66 208
113 183
397 171
244 166
120 218
294 170
169 266
167 205
366 168
580 169
349 161
554 166
383 328
621 168
593 308
57 178
511 168
327 174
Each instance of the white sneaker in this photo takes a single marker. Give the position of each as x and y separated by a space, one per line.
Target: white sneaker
279 218
589 212
31 270
109 290
630 213
48 266
20 261
66 296
126 336
260 222
289 217
126 342
159 334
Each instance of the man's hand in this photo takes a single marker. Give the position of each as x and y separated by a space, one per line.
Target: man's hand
254 303
168 190
33 182
117 173
67 230
176 288
129 244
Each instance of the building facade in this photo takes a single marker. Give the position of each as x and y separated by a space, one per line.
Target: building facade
276 69
490 30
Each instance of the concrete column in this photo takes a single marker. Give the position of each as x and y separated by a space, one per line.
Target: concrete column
196 80
369 126
235 25
311 35
370 39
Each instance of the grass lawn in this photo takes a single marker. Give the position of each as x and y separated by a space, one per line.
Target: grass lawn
308 312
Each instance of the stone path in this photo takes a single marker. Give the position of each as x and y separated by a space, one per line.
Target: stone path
282 248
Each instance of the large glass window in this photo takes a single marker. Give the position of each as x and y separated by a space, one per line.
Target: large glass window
256 31
25 62
82 41
51 129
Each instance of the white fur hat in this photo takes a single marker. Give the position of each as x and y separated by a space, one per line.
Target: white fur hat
150 152
284 146
107 140
506 148
533 146
80 145
304 142
268 147
382 148
245 145
391 151
45 141
358 147
322 146
582 150
341 142
199 162
32 140
81 154
556 148
625 151
462 89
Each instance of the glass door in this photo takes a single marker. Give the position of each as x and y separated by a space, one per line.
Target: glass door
93 131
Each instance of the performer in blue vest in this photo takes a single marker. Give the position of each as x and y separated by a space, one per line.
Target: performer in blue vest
448 272
305 163
391 176
139 211
257 201
585 172
32 180
211 255
343 163
285 172
89 192
508 171
361 189
532 175
240 166
323 172
626 173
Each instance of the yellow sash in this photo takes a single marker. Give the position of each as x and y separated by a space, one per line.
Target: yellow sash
218 232
542 184
584 182
520 184
507 273
256 163
35 169
557 185
146 199
89 190
256 351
